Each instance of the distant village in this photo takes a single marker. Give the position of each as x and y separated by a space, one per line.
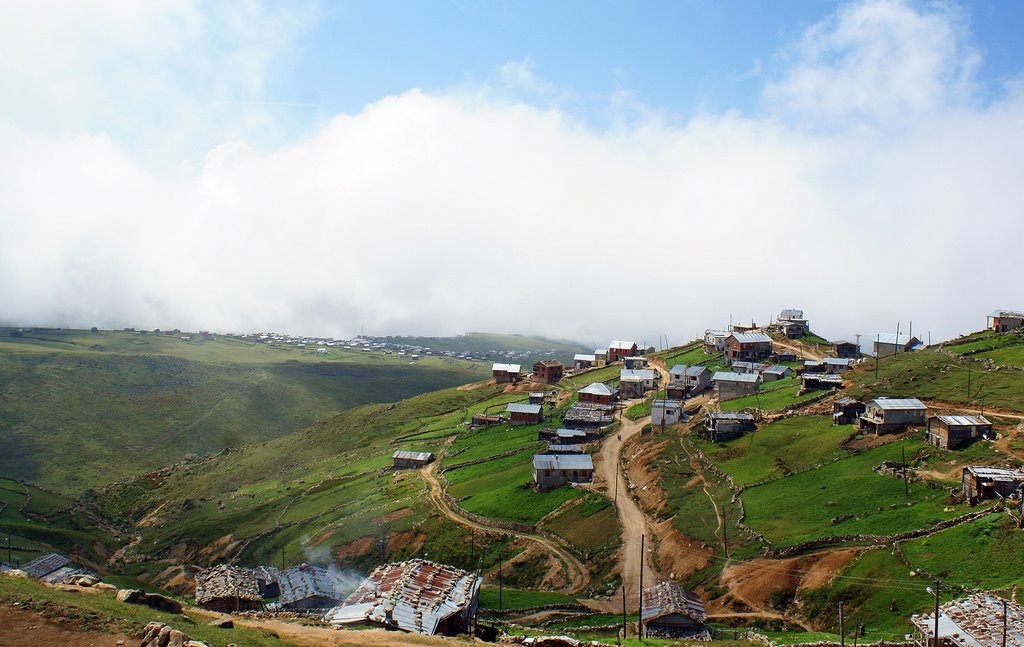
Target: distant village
421 596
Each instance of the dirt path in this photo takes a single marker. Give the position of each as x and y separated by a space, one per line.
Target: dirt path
576 572
307 636
800 349
632 519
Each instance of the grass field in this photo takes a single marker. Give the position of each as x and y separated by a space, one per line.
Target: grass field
1002 348
982 554
773 396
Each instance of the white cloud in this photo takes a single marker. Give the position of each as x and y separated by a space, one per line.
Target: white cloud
445 213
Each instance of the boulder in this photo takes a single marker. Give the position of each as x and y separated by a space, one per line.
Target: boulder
223 623
131 596
15 572
161 603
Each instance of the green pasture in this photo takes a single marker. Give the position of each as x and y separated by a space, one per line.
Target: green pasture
773 396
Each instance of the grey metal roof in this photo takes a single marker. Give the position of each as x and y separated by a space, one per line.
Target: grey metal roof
619 344
694 371
306 581
730 415
966 421
667 403
556 448
751 337
570 433
778 369
43 566
598 388
507 368
729 376
792 313
976 621
898 403
823 377
893 340
584 357
406 455
1007 313
563 462
996 473
636 374
838 361
519 407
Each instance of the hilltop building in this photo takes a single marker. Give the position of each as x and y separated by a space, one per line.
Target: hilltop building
748 346
890 415
620 349
506 373
1005 320
886 344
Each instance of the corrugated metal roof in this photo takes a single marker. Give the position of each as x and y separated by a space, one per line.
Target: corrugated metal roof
964 420
899 403
619 344
519 407
976 621
777 369
729 376
792 313
418 594
730 415
996 473
570 433
406 455
751 337
598 388
823 377
583 357
42 566
563 462
507 368
892 339
1007 313
636 374
663 404
306 581
667 598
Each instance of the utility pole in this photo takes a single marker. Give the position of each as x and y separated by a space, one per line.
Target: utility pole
842 635
936 643
906 483
725 531
623 609
968 378
501 558
640 620
1004 623
878 340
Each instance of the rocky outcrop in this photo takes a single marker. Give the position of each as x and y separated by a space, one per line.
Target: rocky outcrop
158 634
151 600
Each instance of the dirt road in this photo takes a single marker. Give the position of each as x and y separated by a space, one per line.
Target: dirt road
631 518
576 573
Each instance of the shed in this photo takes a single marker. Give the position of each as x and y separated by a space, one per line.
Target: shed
981 483
845 349
566 436
724 425
670 611
405 459
776 372
40 567
226 589
667 412
951 432
818 381
524 414
417 596
584 415
584 360
306 587
553 470
845 410
837 364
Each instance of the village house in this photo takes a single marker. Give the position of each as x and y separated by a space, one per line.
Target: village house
41 567
305 587
845 349
812 366
792 323
670 611
556 448
536 397
548 371
506 373
521 413
981 483
747 346
634 363
416 596
886 344
600 356
484 420
694 379
584 361
714 341
553 470
820 381
748 367
775 372
227 589
952 432
266 581
586 415
598 393
837 364
846 410
724 425
405 459
633 383
667 412
1005 320
729 385
888 415
619 349
975 621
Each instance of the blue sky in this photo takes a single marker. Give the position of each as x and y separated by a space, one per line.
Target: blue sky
247 165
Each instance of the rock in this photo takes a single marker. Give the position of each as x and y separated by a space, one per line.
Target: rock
196 643
131 596
177 639
223 623
103 586
161 603
16 572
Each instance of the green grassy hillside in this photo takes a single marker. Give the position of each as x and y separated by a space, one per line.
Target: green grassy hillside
122 403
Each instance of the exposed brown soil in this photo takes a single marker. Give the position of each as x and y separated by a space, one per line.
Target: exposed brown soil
19 628
678 555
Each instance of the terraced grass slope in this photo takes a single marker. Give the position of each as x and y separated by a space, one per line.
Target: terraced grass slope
121 403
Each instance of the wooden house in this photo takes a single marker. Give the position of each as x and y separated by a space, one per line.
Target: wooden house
633 383
845 349
729 385
889 415
886 344
820 381
619 349
415 596
404 459
588 415
670 611
307 587
553 470
667 412
846 411
990 482
776 372
524 414
483 420
1005 320
598 393
724 425
952 432
837 364
227 589
547 371
747 346
506 373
